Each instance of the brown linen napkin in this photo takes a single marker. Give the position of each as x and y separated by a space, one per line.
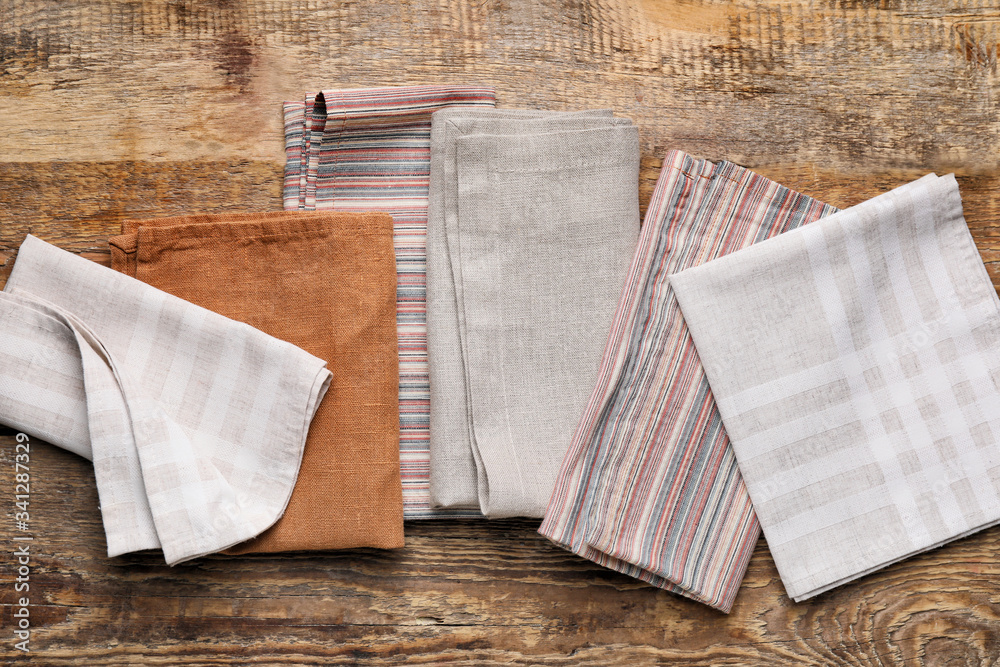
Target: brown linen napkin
325 281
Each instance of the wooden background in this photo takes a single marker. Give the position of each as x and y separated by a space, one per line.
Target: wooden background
133 108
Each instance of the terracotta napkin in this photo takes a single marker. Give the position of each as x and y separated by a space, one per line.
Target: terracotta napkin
326 282
368 149
650 486
856 364
196 422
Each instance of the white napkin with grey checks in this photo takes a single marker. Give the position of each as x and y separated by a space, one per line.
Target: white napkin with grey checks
856 365
195 423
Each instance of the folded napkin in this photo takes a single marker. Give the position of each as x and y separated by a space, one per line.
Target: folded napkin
649 486
453 468
856 364
541 217
196 423
369 150
326 282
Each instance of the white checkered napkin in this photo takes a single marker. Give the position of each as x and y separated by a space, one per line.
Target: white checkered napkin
71 388
856 364
41 379
217 412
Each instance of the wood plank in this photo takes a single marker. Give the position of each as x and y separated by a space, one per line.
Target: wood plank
112 109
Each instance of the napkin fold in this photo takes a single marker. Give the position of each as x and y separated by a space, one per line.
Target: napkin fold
534 218
368 149
196 423
856 365
650 486
326 282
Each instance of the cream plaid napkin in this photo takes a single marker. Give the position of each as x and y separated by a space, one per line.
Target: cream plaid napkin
41 375
539 234
196 423
856 363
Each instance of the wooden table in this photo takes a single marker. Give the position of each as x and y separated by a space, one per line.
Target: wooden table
115 109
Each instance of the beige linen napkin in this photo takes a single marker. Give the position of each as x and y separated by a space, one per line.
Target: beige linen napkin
546 223
453 468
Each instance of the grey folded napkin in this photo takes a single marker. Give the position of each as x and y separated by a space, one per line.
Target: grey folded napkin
195 423
856 366
533 217
450 425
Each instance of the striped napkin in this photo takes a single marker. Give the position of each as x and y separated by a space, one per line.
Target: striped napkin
368 149
856 365
196 423
539 230
649 486
326 282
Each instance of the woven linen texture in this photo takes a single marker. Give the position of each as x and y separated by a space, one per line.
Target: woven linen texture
453 468
546 225
650 486
326 282
369 150
856 363
196 423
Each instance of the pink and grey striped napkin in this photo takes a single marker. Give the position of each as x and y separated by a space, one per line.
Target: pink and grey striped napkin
195 423
649 486
856 365
368 149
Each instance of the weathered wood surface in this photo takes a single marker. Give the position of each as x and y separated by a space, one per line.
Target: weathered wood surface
469 592
117 109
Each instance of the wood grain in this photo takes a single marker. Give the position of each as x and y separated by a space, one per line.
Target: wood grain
468 592
111 109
